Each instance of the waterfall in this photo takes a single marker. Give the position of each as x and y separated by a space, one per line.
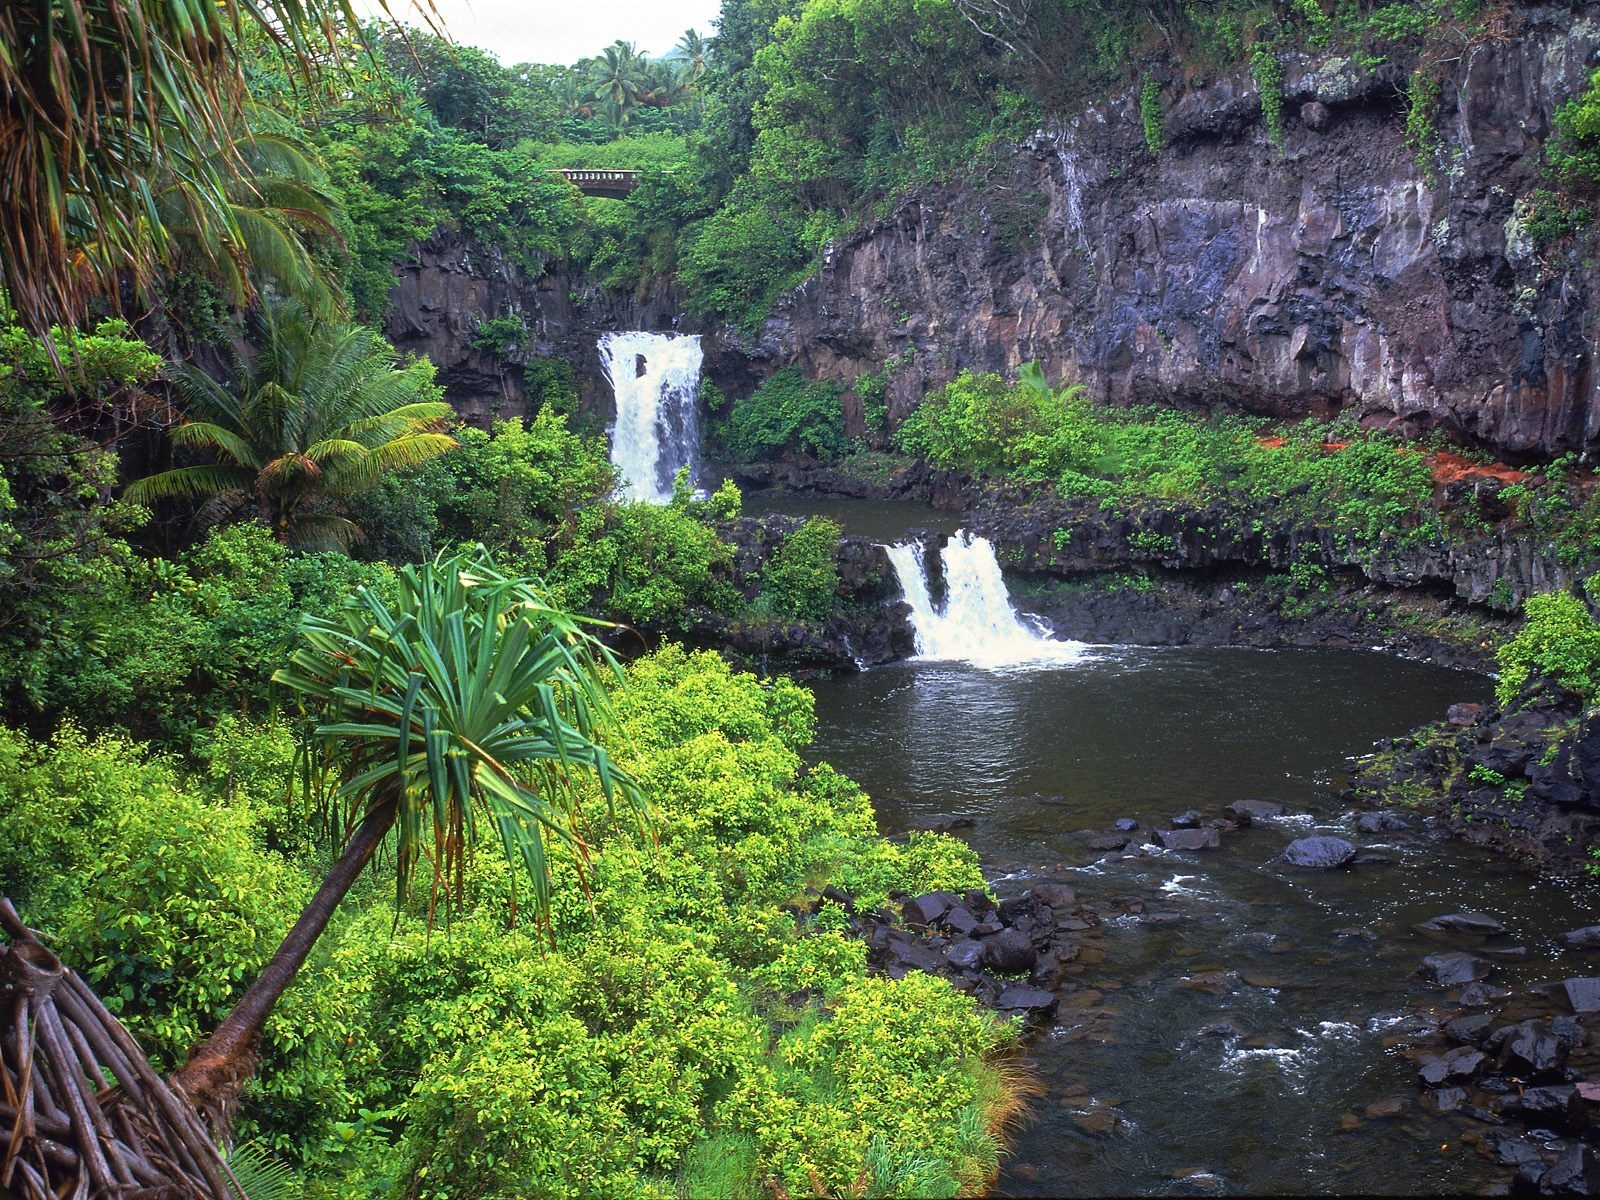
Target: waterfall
656 380
978 623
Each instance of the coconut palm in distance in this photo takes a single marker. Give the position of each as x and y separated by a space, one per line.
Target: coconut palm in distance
469 700
321 412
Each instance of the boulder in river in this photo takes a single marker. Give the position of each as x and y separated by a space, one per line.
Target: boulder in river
1025 999
1125 824
1575 1173
1447 970
1587 938
1246 811
1189 839
1008 952
1464 922
1530 1049
1188 819
1382 822
1583 994
1320 852
1461 1063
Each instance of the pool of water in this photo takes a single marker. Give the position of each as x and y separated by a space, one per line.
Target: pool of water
885 521
1233 1018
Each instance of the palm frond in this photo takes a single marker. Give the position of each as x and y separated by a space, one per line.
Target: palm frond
210 480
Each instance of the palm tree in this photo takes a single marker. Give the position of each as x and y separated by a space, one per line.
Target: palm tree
321 412
471 699
693 54
101 102
286 196
616 78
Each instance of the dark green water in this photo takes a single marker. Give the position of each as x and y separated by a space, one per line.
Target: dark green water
1313 968
881 520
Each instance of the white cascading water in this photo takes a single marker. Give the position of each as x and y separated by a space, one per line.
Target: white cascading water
978 623
655 378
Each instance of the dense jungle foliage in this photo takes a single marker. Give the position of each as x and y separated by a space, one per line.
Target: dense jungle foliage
193 495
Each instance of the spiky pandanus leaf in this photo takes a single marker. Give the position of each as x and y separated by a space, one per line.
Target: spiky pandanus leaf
470 697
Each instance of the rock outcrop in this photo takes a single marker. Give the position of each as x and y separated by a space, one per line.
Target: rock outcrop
1343 271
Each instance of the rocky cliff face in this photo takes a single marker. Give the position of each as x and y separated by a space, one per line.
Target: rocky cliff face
1334 273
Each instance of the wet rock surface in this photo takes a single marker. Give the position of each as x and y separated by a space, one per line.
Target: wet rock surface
1321 853
1333 275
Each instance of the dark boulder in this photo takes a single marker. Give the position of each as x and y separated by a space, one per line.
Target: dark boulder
1014 908
1469 1031
1461 1063
1009 952
1246 811
1575 1173
1189 839
1447 970
1464 922
1531 1049
1319 853
1054 895
1558 1105
1583 994
1381 822
926 909
963 954
1125 824
1188 819
1481 995
1025 999
960 919
1587 938
1463 715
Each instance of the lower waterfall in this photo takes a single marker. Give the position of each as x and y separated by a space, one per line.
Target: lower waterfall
978 623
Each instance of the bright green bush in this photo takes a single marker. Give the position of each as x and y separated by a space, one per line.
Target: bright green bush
164 898
1558 639
802 577
786 413
637 1050
979 423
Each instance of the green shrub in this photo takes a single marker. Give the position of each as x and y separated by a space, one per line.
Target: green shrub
786 413
1558 639
979 423
802 577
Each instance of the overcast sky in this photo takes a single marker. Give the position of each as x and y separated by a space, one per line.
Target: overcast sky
563 31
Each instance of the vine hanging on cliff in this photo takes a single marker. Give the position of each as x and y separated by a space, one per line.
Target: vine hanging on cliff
1268 74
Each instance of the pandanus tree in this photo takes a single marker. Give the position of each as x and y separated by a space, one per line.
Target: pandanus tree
322 411
468 708
103 103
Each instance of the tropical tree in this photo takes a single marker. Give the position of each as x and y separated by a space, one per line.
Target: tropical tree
322 411
269 215
103 100
617 77
693 57
470 701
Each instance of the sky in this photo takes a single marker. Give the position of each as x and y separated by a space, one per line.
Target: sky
563 31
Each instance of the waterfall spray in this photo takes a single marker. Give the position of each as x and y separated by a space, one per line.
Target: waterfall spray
656 380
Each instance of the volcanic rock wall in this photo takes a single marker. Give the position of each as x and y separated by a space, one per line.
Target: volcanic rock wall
1334 273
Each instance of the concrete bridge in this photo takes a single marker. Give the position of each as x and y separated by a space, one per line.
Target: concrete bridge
615 184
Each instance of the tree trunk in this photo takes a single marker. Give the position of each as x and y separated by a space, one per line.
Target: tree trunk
219 1068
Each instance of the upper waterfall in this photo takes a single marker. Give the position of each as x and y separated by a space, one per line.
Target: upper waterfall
978 623
655 378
